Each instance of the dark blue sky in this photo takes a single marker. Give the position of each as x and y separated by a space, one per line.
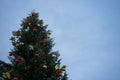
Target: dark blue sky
86 33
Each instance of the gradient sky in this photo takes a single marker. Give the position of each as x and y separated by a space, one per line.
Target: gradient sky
86 33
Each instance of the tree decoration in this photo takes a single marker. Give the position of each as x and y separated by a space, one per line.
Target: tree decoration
19 57
49 32
57 67
33 14
36 55
59 73
26 30
21 43
48 36
17 45
42 42
44 66
34 29
6 75
64 68
17 60
27 23
10 53
15 78
31 47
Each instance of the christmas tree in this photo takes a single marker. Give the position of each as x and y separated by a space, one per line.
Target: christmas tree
32 57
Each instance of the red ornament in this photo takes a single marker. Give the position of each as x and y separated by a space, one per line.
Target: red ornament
15 78
36 55
27 23
19 57
17 60
10 53
34 29
42 42
33 14
59 73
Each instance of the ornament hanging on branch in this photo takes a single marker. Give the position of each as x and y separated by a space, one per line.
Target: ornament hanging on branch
26 30
31 47
33 14
42 42
57 67
45 66
17 60
36 55
34 29
6 75
27 23
17 45
59 73
21 43
64 68
15 78
10 53
48 34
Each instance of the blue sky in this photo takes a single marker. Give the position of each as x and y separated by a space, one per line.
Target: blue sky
86 33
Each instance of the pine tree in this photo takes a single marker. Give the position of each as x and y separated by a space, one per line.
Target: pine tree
32 57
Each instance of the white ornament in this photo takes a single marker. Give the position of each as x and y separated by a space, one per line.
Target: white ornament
29 23
53 55
26 30
31 47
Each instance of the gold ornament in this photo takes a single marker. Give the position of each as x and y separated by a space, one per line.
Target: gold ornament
17 45
57 67
44 66
49 32
6 75
48 36
64 68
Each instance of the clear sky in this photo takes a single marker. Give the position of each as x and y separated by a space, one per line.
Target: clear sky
86 33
